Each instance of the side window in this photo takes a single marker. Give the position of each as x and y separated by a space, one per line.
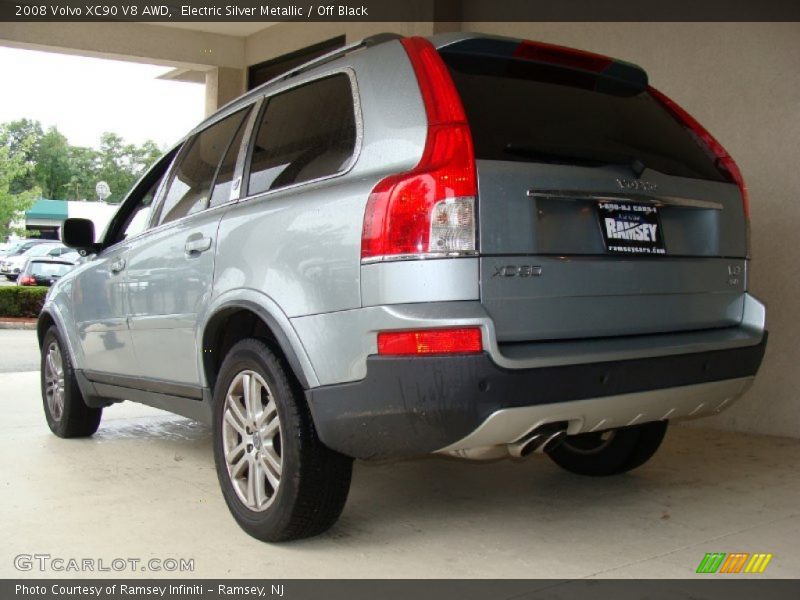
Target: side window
305 133
137 221
134 215
190 187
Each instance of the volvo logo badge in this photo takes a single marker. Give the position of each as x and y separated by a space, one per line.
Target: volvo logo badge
638 185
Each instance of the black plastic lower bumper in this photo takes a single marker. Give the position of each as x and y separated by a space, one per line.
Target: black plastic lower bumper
412 406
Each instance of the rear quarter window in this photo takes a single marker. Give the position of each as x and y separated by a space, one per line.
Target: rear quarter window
305 133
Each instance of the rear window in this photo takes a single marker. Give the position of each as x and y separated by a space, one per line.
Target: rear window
526 111
43 269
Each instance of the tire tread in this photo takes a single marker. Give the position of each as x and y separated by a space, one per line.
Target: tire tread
631 448
323 476
78 419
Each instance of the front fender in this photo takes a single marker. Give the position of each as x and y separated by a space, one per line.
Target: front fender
58 308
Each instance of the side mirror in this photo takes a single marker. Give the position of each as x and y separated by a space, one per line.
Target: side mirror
79 234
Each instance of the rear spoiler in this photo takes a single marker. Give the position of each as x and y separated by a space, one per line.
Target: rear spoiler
598 66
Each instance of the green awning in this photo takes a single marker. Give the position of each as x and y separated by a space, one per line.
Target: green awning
51 210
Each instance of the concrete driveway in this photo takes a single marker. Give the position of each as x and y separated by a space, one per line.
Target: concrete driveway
19 351
144 486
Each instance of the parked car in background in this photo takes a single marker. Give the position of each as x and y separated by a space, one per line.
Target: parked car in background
44 271
465 245
11 266
72 257
20 246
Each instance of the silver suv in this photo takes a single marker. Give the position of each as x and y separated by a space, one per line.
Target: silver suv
465 245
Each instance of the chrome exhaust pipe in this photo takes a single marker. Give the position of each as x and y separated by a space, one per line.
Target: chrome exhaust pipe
541 440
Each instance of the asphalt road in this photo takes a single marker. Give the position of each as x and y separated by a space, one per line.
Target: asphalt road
19 351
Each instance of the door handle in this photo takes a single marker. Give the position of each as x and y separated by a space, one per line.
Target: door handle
117 265
195 246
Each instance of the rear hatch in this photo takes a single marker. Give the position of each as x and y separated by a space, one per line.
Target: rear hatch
601 212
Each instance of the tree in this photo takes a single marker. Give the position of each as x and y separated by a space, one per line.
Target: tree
52 168
83 168
22 137
45 160
121 164
14 166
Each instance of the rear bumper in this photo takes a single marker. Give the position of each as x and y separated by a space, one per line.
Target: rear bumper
412 406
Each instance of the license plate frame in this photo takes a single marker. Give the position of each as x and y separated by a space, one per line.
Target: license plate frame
631 228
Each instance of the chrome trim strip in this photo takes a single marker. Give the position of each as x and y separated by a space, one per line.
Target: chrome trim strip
420 256
657 200
509 425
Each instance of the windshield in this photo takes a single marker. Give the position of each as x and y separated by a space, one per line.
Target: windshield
15 249
41 249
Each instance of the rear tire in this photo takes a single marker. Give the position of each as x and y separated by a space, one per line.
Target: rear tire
66 413
610 452
278 479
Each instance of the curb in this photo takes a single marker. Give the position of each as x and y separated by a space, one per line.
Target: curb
18 324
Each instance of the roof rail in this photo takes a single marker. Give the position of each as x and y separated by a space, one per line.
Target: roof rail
373 40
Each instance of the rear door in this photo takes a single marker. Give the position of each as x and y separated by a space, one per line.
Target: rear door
170 269
599 214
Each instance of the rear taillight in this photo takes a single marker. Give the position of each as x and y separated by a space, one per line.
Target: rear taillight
430 210
27 280
723 160
463 340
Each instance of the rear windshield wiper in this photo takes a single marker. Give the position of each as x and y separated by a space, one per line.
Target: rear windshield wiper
545 155
540 154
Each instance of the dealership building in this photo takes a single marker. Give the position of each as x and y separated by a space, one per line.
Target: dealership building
46 216
739 79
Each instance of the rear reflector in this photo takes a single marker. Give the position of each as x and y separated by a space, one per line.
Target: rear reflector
430 341
430 210
724 161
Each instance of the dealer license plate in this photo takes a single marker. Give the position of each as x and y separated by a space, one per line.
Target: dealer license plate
630 228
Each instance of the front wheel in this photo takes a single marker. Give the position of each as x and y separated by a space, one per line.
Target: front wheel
609 452
278 479
66 413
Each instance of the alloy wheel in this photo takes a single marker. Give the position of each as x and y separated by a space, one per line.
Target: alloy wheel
54 381
251 438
